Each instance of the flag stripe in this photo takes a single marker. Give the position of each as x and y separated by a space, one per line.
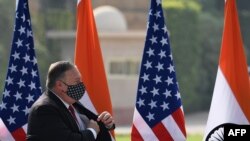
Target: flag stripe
25 128
87 102
143 128
178 116
173 129
136 135
22 84
230 102
78 1
5 135
223 98
88 58
161 132
232 56
19 134
158 95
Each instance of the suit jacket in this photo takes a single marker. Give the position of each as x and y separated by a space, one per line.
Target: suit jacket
50 120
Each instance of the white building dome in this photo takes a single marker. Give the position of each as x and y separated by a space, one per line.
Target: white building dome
109 19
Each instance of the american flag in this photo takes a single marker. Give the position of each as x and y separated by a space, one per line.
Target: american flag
22 84
158 114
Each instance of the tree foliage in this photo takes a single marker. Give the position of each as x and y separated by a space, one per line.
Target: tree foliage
182 20
196 30
7 15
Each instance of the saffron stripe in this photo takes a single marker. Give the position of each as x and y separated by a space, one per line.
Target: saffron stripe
233 62
229 110
88 58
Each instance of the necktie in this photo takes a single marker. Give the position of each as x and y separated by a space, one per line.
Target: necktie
72 111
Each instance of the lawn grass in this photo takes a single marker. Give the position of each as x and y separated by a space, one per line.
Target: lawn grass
194 137
122 137
191 137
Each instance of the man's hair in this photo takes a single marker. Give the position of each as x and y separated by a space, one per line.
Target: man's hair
56 71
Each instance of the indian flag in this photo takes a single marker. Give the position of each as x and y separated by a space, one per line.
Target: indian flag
231 97
88 59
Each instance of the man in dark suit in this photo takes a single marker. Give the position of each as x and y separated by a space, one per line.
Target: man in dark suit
58 116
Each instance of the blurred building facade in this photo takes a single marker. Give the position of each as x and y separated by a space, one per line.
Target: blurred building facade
135 11
121 27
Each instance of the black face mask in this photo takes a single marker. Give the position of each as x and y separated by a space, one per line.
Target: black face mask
76 91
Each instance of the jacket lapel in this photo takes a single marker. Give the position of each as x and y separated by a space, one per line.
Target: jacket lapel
64 112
